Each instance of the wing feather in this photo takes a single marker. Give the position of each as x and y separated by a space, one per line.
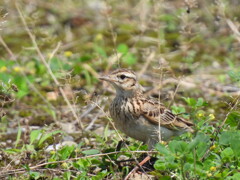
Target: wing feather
155 112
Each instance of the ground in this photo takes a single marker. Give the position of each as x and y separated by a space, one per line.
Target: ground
54 111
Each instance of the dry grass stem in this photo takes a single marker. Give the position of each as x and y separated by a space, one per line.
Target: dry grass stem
42 58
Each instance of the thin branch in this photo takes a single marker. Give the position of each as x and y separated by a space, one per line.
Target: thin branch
150 57
234 29
8 172
113 34
42 58
146 159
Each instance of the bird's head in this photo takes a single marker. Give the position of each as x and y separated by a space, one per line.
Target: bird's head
123 80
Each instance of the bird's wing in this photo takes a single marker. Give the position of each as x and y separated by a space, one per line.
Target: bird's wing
155 112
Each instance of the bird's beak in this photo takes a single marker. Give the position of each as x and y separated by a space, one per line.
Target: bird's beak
106 78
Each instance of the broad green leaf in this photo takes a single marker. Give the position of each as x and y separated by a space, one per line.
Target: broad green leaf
178 109
5 77
199 139
85 58
227 153
100 51
235 145
190 101
35 134
66 152
224 137
122 48
162 149
67 175
129 59
159 165
91 152
234 75
34 175
29 147
233 119
236 176
200 102
178 147
48 135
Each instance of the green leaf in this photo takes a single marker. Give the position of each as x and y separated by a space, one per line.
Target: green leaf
85 58
178 147
29 147
46 136
224 137
35 134
233 119
83 164
100 51
200 102
236 176
56 178
67 175
235 145
5 77
22 85
162 149
55 64
159 165
19 133
129 59
178 109
201 149
12 151
190 101
231 138
66 152
234 75
122 48
87 77
200 139
91 152
227 153
34 175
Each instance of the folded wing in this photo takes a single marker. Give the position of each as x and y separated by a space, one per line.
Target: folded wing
155 112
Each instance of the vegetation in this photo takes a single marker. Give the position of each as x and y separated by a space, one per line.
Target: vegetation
54 121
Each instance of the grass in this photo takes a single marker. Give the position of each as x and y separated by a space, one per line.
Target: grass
54 111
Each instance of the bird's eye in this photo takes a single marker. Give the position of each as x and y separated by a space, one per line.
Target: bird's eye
123 77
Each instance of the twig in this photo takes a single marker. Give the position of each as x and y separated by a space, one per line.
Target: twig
113 34
234 29
54 51
137 167
93 121
4 173
92 107
146 64
42 58
174 94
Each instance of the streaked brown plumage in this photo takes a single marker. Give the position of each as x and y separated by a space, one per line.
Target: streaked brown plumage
139 117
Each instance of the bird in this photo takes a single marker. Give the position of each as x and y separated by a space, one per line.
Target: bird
140 117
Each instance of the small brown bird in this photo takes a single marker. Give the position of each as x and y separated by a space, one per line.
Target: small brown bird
138 117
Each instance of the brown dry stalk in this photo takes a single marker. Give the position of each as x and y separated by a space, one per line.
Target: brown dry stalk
8 172
42 58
